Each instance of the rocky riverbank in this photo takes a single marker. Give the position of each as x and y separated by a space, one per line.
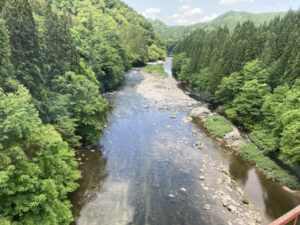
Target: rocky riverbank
233 139
227 199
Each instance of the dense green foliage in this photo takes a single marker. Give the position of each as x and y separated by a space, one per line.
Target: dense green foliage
218 125
172 34
157 69
37 168
253 76
54 62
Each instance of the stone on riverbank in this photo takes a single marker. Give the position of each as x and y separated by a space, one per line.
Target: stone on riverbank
201 113
232 139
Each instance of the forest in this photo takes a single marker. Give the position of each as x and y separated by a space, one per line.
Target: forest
252 75
172 34
56 58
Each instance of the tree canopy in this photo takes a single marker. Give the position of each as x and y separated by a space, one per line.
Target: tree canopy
56 58
252 75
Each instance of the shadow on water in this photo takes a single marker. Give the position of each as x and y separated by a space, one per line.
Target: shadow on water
267 195
94 174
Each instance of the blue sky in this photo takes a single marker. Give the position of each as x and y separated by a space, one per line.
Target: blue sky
185 12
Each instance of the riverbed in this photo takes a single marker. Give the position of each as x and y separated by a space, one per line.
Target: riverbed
146 169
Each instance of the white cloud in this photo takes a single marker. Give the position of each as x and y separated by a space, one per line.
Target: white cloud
233 2
185 14
187 1
151 13
208 18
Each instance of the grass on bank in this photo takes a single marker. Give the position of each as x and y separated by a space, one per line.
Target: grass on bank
218 125
273 172
245 200
157 69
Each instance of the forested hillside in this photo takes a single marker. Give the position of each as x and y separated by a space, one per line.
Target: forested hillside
253 75
230 19
56 57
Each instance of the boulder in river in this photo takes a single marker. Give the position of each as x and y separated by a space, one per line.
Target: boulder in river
201 113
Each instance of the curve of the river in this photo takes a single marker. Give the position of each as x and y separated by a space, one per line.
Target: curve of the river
135 173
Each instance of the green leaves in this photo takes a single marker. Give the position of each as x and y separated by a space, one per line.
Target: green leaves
218 125
246 107
15 121
7 75
37 168
87 107
253 74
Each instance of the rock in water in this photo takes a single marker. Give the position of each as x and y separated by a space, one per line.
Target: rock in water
173 117
171 196
207 207
183 190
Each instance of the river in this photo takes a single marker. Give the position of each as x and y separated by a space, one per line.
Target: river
146 157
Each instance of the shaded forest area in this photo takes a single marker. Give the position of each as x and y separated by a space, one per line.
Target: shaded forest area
56 57
253 76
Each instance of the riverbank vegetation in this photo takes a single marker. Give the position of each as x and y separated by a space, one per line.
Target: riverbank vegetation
252 75
157 69
218 126
273 172
56 57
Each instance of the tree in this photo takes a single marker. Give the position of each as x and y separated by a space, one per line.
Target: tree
246 107
290 121
25 51
59 49
89 109
7 75
37 168
290 141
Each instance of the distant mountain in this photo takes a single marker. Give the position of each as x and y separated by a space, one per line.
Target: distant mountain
230 19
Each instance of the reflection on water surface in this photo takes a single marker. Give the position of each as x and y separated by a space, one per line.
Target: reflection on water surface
146 158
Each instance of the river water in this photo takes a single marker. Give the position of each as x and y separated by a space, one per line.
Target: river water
144 159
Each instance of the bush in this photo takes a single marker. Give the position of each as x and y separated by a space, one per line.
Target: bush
218 125
264 140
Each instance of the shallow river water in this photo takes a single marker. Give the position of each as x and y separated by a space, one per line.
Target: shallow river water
145 157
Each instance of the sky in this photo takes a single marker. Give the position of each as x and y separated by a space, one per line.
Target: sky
186 12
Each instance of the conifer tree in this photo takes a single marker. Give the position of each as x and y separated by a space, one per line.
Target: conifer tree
25 50
7 76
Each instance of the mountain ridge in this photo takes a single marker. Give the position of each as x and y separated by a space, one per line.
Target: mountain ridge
172 34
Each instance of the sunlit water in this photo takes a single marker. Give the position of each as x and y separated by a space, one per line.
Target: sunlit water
145 156
168 66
